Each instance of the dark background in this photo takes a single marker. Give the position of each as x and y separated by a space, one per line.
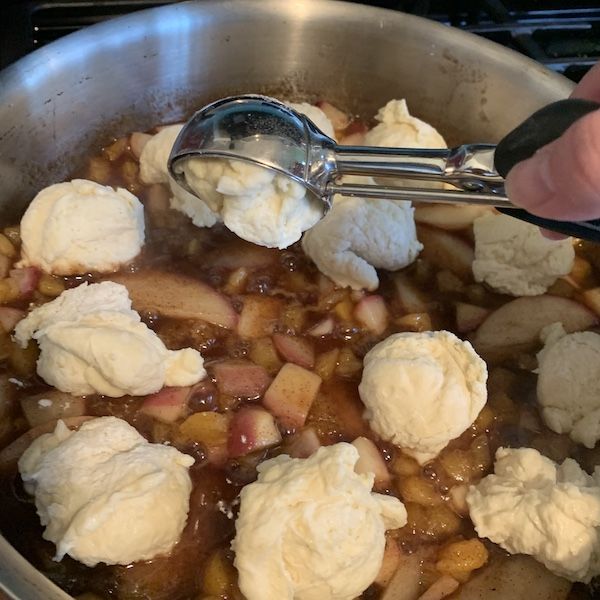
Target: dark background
562 34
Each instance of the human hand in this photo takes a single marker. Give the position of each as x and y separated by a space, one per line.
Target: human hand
562 180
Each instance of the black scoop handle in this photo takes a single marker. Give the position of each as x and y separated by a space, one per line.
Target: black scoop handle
541 128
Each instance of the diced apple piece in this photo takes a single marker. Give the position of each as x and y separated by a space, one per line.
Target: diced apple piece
9 317
167 405
210 429
11 453
241 378
348 365
446 251
411 299
295 350
446 216
391 559
303 444
263 353
26 279
240 253
370 460
137 143
326 363
291 395
516 325
414 322
236 282
252 428
259 316
50 406
592 299
469 316
323 327
177 296
339 119
372 313
442 588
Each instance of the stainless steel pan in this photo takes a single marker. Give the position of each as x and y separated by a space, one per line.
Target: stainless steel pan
157 65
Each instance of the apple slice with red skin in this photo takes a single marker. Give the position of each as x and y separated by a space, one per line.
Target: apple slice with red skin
516 326
469 316
370 460
372 313
9 317
26 280
303 444
167 405
323 327
177 296
240 378
252 428
291 395
297 350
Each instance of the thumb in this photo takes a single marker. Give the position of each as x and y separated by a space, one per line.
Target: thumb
562 180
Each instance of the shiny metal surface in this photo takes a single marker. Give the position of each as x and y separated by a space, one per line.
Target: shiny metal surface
267 133
160 65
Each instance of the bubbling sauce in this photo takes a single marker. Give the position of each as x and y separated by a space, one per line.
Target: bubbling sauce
291 296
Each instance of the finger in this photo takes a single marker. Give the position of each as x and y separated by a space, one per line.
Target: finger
589 87
562 180
552 235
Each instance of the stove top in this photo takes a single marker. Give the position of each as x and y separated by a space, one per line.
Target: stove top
563 35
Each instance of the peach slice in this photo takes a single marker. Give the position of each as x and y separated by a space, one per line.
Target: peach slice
177 296
259 316
370 460
291 395
167 405
469 316
241 378
252 428
516 325
295 350
372 313
446 251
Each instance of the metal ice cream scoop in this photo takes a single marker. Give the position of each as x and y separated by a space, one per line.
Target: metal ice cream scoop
263 131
